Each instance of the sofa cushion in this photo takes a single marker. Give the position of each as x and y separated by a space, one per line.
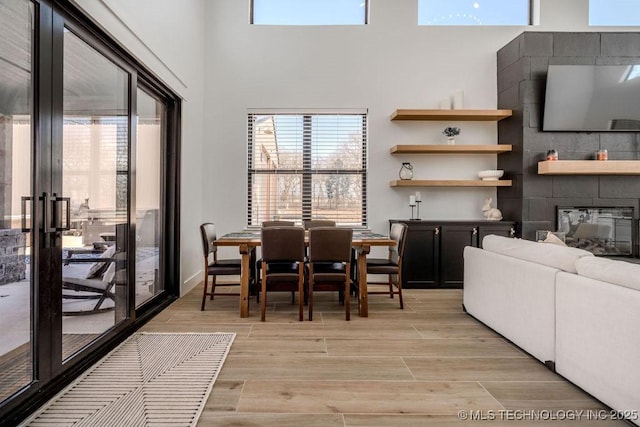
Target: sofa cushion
607 270
560 257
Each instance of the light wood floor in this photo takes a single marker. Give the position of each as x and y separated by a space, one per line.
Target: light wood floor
414 367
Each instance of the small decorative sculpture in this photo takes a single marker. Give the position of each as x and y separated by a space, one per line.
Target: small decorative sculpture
491 214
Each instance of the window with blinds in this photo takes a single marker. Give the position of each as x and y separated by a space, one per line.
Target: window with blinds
307 166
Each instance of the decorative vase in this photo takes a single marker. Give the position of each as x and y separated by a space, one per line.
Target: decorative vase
406 171
451 140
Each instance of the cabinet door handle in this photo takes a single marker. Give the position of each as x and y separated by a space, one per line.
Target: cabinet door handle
437 231
475 231
512 232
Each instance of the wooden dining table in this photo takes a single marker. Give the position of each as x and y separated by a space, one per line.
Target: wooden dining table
247 241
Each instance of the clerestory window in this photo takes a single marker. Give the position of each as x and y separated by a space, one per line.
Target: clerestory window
614 12
309 12
474 12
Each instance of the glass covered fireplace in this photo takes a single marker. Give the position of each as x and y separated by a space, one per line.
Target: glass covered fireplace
606 231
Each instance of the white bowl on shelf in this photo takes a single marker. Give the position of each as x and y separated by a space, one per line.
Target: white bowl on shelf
491 175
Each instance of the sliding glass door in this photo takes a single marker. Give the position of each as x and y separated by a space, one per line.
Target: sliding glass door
150 144
95 189
89 153
17 22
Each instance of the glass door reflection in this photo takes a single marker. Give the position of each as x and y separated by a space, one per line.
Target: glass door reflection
150 138
95 170
16 195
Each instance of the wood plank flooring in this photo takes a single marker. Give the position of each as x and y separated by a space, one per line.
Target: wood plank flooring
414 367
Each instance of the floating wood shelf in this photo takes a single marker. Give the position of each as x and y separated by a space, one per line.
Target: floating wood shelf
450 149
450 183
458 115
589 167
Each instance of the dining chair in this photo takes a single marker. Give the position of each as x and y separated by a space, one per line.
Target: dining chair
313 223
329 264
278 223
216 267
282 264
274 223
391 266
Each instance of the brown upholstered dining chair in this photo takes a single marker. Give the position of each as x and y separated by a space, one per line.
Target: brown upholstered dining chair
282 264
391 266
278 223
215 267
329 263
274 223
313 223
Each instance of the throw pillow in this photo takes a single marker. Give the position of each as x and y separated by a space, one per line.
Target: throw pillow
97 269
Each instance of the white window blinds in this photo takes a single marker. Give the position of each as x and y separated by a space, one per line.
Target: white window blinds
307 166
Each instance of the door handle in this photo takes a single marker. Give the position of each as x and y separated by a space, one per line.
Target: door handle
52 213
57 213
47 213
475 231
23 213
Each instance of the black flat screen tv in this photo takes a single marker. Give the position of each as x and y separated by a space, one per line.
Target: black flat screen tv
592 98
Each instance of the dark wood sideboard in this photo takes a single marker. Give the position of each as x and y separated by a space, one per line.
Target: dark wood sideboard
433 252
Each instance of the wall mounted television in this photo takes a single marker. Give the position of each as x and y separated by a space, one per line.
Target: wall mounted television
592 98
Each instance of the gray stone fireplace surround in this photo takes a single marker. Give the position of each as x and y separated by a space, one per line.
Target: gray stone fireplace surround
533 199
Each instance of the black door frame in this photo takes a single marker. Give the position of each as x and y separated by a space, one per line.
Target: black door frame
50 374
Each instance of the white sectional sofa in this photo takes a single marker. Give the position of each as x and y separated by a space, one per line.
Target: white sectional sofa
577 313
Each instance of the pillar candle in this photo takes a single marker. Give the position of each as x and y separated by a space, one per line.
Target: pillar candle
445 104
412 200
418 196
458 100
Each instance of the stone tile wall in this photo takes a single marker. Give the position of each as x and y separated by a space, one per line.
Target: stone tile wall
522 71
13 265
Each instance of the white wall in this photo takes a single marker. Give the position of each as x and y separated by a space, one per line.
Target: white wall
168 37
208 53
390 63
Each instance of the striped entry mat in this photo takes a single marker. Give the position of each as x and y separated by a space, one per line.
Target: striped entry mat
151 379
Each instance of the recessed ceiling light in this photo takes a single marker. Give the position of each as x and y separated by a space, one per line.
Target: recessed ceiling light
476 5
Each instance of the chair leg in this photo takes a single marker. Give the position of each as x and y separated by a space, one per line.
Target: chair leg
213 287
300 292
347 299
310 297
263 297
400 290
390 286
204 292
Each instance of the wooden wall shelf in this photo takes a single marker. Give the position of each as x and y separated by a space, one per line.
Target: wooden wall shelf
589 167
450 149
450 183
458 115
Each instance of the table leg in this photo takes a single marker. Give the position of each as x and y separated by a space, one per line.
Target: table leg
362 280
245 270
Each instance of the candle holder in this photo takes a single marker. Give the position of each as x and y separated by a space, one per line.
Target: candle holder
417 209
412 206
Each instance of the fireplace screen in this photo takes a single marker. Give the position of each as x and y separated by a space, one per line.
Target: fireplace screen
601 230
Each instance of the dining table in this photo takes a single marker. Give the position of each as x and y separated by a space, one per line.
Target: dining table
248 241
